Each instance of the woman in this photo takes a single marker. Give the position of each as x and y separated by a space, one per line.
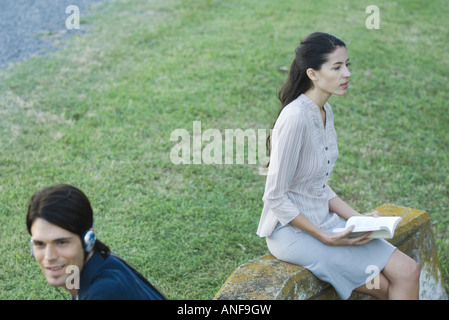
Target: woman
300 209
63 242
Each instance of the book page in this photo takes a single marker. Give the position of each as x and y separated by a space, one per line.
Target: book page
382 227
373 223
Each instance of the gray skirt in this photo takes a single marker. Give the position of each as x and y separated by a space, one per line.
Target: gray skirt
344 267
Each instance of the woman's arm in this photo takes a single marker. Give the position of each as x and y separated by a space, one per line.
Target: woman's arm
341 208
287 137
332 239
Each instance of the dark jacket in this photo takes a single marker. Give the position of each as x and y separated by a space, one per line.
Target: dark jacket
111 278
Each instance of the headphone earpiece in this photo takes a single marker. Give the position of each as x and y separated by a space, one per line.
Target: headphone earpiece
89 241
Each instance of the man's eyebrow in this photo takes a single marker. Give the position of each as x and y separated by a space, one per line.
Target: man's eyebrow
62 239
54 240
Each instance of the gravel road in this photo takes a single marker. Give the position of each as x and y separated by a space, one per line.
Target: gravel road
29 27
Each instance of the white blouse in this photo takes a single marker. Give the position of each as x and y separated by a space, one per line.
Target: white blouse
303 155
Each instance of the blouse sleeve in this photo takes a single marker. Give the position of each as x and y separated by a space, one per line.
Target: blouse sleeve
330 193
285 151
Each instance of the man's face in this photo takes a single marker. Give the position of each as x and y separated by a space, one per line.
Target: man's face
55 249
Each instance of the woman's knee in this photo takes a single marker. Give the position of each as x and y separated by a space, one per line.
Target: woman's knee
413 270
402 268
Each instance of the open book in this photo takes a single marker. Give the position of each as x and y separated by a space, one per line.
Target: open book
381 227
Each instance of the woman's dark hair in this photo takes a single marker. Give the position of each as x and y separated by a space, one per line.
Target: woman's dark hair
312 52
66 207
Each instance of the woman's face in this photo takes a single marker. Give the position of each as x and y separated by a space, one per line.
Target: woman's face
333 76
55 249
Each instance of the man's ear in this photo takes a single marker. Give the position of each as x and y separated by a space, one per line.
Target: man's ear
311 74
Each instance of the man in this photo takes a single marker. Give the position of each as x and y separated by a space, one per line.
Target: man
63 242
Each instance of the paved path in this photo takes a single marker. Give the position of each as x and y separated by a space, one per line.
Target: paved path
30 27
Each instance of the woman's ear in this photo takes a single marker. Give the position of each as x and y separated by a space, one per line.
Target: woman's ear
311 74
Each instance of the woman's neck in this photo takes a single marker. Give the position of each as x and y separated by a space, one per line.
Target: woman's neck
319 97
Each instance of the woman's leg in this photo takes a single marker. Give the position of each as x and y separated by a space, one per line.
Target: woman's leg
398 280
402 273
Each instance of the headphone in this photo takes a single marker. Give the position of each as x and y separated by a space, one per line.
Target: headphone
88 242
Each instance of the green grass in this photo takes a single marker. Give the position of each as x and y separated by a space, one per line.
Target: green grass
99 114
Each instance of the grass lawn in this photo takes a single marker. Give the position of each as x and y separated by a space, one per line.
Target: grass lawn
99 114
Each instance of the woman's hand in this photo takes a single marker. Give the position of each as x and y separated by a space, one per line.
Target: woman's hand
332 239
341 238
371 214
